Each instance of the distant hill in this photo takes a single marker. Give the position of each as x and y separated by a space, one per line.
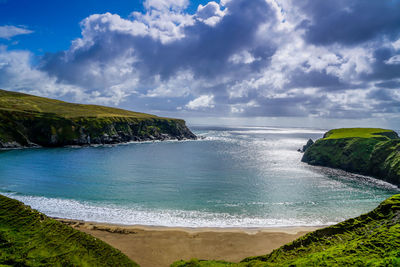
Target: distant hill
372 239
30 238
27 120
369 151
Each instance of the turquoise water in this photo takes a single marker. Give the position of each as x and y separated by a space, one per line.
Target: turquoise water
234 177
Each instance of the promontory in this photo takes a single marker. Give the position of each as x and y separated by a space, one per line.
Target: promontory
368 151
29 121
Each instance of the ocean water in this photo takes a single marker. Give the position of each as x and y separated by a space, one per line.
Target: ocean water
234 177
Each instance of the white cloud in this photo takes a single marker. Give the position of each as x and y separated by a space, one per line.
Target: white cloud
204 101
241 108
18 74
396 44
9 31
243 57
395 60
178 86
176 5
210 14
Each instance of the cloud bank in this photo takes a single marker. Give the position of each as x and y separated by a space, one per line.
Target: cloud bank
329 59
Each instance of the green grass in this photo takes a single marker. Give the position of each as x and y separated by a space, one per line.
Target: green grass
13 101
372 239
29 238
358 132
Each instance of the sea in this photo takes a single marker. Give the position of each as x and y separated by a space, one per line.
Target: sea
246 177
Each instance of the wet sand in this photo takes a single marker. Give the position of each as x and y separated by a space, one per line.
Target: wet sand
161 246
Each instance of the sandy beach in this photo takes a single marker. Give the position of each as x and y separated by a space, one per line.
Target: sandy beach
161 246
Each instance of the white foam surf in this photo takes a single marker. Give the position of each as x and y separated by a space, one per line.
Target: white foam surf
107 213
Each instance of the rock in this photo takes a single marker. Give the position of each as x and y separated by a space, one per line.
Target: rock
310 142
11 144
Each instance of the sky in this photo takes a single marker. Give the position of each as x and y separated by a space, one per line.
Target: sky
261 62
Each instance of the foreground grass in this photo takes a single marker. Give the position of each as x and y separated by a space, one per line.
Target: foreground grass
372 239
29 238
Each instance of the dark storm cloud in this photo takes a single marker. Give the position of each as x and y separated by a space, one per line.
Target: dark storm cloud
350 22
389 84
299 78
382 70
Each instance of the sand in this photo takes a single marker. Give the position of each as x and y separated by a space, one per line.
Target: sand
161 246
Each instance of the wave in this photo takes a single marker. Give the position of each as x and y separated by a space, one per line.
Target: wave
107 213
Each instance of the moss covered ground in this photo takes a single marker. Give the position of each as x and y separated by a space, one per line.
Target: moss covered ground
29 238
372 239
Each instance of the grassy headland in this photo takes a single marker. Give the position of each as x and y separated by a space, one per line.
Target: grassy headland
372 239
30 238
27 120
369 151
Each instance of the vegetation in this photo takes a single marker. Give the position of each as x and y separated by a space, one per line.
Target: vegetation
367 151
361 133
372 239
27 120
13 101
29 238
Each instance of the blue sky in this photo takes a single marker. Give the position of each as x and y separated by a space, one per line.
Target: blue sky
311 62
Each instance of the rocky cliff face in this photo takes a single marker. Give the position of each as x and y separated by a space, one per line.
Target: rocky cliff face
26 129
377 156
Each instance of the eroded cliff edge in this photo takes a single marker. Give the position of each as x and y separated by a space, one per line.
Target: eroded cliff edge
368 151
27 121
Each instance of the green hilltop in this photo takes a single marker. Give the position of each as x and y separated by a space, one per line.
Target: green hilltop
372 239
27 120
30 238
360 133
19 102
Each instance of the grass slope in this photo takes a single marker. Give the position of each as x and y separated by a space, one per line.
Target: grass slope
13 101
383 134
29 238
368 151
372 239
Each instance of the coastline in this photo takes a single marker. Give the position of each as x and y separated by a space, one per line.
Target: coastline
161 246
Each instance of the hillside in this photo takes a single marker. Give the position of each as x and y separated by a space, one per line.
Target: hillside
368 151
30 238
27 120
372 239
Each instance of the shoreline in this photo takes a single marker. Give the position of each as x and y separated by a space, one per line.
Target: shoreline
35 146
163 245
248 230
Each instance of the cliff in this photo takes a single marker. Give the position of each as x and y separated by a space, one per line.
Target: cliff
368 151
371 239
30 238
27 120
